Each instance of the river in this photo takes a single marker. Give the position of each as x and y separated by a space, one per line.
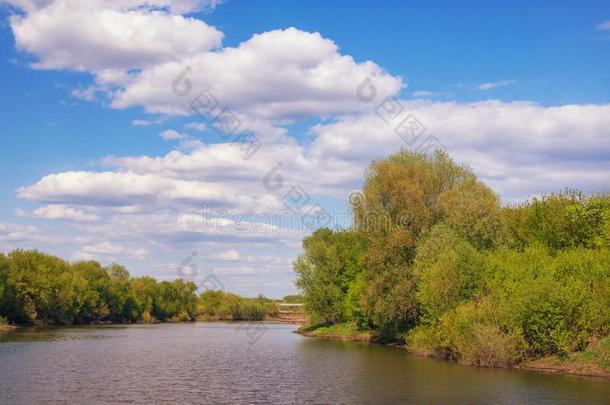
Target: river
252 363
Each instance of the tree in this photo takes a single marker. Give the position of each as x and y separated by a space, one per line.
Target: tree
330 263
36 288
404 196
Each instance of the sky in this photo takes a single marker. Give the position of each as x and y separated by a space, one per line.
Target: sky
214 135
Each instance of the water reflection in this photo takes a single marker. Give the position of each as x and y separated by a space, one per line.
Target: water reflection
211 363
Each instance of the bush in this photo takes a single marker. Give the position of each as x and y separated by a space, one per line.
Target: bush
470 335
560 300
448 271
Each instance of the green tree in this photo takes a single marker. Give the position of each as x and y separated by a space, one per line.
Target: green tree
330 263
448 271
405 195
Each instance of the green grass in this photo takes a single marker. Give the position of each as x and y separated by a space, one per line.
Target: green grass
595 360
338 331
598 354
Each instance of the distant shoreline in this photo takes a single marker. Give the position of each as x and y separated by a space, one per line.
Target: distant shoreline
10 328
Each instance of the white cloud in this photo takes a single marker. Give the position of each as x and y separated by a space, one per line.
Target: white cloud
519 148
135 51
87 94
17 233
115 189
604 26
228 255
142 123
549 147
103 35
108 250
236 270
170 135
495 85
196 126
58 211
273 75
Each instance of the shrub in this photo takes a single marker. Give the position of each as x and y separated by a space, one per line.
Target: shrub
448 271
470 335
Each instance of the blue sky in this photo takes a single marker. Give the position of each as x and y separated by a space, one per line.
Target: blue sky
519 91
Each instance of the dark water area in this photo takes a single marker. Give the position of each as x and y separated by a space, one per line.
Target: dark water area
247 363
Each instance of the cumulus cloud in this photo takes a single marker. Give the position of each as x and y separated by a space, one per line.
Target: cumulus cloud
170 135
103 36
143 123
228 255
107 250
115 189
196 126
495 85
518 147
87 94
59 211
17 233
136 49
277 74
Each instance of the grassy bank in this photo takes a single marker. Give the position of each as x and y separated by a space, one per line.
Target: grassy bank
594 361
342 331
6 328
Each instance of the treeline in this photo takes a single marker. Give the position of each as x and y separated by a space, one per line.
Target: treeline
434 260
220 305
40 289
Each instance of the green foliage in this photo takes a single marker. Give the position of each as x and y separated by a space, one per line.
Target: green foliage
293 299
390 302
405 197
470 334
402 201
473 210
439 263
560 221
560 300
36 288
220 305
448 271
325 271
353 311
175 300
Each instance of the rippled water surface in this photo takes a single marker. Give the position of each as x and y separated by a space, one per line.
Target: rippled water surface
226 363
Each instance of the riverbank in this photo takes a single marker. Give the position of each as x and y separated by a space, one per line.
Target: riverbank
199 319
593 362
7 328
338 331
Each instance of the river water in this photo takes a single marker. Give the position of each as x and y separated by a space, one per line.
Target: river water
253 363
